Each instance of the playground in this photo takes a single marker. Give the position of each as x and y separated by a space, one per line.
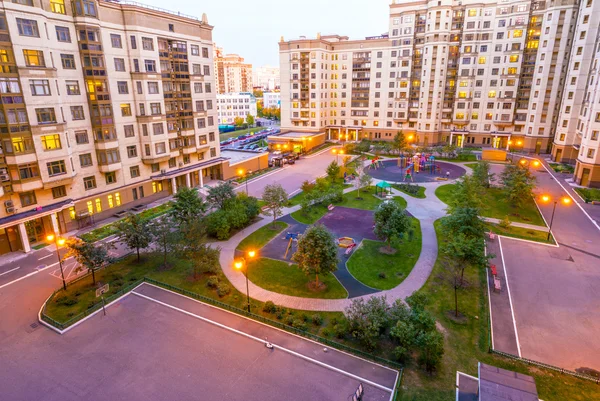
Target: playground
420 168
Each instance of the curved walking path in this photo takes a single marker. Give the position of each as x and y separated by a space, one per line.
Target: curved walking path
425 210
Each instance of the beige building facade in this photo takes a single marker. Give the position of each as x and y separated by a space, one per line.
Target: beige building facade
105 106
232 73
266 78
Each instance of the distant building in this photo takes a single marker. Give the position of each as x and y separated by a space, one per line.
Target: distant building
266 78
271 99
231 73
232 105
495 384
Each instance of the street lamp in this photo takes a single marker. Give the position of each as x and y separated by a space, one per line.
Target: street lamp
239 264
58 242
565 200
244 174
337 152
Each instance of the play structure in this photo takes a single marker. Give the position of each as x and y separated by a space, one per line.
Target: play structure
416 164
348 243
292 238
376 163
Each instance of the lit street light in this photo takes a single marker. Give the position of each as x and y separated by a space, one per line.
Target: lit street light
58 242
565 200
337 152
239 264
244 174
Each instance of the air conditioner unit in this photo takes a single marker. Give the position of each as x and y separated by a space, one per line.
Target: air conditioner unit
9 203
10 210
163 171
4 177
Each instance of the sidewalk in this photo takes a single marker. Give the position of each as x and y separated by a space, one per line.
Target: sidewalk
516 224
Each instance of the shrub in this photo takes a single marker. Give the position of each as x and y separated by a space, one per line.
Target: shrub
409 189
212 282
217 225
299 324
317 319
505 223
69 301
382 275
61 299
237 217
223 289
326 332
340 330
289 320
307 187
269 307
279 315
304 317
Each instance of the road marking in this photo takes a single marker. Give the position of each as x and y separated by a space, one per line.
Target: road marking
45 257
12 270
512 311
260 340
487 279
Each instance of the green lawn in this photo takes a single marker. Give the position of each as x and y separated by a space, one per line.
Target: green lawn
319 148
520 232
403 188
466 343
239 132
283 278
470 165
458 159
111 228
589 194
368 265
262 236
562 168
496 205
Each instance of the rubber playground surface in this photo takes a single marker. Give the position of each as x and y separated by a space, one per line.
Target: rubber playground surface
389 170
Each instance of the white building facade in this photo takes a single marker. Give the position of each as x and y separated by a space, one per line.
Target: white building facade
233 105
267 77
271 99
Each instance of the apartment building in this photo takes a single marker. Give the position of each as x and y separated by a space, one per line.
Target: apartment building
271 99
105 106
233 105
473 73
266 78
232 73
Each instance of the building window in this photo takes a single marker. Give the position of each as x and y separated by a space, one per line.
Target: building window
172 162
131 151
85 7
27 198
155 109
195 49
196 69
206 70
57 6
207 87
133 42
147 44
59 192
160 148
56 168
209 105
213 152
129 132
134 171
153 88
68 61
77 113
23 2
46 115
73 88
210 121
197 87
85 160
34 58
109 156
111 177
205 52
125 109
115 40
122 87
51 142
81 137
150 65
158 128
63 34
199 105
201 123
157 186
89 183
119 64
28 27
39 87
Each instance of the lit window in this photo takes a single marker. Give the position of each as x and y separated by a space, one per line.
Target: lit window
98 205
517 33
482 59
492 94
110 201
472 12
90 207
118 199
514 58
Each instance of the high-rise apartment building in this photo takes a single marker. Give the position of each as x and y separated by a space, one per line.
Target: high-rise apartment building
232 74
233 105
105 106
266 78
497 73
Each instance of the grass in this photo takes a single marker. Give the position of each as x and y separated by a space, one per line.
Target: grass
40 246
111 228
322 146
466 343
520 232
239 132
286 278
460 158
378 270
254 174
589 194
368 202
496 205
470 165
262 236
420 194
562 168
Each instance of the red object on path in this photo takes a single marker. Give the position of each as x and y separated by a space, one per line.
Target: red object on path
493 268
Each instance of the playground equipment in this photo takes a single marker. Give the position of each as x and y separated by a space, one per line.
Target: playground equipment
291 237
348 243
376 163
382 189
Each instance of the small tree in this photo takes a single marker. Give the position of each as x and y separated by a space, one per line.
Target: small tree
390 222
276 198
481 173
193 246
519 184
88 255
166 238
317 252
307 186
333 171
219 195
467 192
454 275
188 206
367 320
464 220
467 251
238 121
431 345
135 233
250 120
399 143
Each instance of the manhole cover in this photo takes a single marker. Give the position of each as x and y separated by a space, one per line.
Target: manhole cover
34 325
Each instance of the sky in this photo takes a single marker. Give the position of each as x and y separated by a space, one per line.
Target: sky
252 28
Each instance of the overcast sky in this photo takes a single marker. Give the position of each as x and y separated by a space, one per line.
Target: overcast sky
252 28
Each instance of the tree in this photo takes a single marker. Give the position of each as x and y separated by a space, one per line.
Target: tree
454 274
238 121
519 183
333 171
464 220
276 198
88 255
367 320
431 345
188 206
260 108
467 251
317 252
399 143
135 233
166 238
220 194
250 119
193 246
390 222
481 173
467 192
257 93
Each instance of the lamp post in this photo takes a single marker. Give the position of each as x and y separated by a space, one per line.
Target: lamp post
58 242
564 200
244 174
337 152
239 264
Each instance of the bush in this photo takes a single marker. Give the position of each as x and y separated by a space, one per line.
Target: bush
223 289
69 301
505 223
289 320
340 330
217 225
304 317
326 332
299 324
61 299
317 319
237 217
212 282
409 188
269 307
382 275
307 187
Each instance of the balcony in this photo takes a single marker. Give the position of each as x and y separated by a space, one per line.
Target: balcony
156 158
61 179
48 128
107 168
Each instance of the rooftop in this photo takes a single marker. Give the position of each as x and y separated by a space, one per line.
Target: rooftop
159 9
495 384
296 134
238 156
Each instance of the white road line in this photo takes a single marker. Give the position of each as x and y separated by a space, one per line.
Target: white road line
487 279
530 241
47 256
260 340
512 311
28 275
11 270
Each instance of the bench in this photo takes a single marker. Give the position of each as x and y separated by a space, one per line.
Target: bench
265 208
138 208
497 285
330 207
120 214
492 236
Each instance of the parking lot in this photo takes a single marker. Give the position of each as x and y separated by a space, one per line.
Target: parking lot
157 345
